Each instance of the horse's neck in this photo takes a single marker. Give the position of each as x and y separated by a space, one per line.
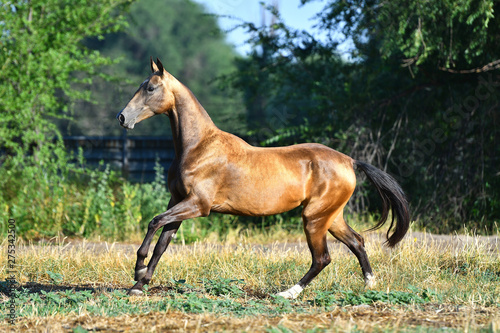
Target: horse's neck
190 123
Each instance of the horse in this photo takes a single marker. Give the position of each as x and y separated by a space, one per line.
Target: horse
215 171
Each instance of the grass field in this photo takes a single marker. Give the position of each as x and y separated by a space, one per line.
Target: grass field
423 285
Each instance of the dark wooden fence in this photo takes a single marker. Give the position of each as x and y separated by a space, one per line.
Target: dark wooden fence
134 156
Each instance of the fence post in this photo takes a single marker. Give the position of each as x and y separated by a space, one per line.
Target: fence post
124 154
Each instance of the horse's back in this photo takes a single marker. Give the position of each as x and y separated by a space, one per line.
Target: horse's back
309 151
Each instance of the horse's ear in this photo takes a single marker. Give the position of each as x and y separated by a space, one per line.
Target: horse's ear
154 68
160 66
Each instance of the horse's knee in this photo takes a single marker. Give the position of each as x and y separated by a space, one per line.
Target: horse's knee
326 260
323 260
155 222
358 248
142 252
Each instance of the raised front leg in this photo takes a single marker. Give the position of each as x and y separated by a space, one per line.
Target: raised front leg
143 276
142 253
190 207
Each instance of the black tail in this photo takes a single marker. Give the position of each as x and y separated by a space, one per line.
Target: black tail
393 197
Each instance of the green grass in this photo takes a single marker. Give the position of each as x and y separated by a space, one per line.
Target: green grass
220 296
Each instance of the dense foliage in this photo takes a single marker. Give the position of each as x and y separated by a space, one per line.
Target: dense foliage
44 67
417 95
419 98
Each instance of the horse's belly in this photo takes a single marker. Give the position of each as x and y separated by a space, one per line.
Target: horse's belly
253 210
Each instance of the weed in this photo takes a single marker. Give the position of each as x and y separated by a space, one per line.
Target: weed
281 304
348 297
372 296
180 286
324 298
79 329
223 286
278 329
55 278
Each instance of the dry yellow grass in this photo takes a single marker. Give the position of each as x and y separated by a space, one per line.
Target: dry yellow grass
465 273
360 319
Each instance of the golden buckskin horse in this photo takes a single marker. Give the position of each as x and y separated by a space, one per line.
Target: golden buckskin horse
215 171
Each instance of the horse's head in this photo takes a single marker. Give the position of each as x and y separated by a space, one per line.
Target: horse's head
153 97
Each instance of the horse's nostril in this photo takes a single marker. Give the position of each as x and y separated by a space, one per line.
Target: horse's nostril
121 118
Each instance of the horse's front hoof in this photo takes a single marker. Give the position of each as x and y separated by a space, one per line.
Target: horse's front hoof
135 292
140 273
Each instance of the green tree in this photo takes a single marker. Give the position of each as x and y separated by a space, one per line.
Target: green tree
419 99
44 69
440 62
190 44
44 66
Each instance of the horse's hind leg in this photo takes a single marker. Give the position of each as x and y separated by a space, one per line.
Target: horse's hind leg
344 233
316 230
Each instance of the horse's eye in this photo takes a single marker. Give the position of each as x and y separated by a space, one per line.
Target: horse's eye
151 88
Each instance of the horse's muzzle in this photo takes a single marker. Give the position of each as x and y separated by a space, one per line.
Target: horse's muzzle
121 119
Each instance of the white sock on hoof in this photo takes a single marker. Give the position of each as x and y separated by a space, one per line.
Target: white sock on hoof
291 293
370 281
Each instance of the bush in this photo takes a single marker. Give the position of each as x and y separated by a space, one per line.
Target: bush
46 201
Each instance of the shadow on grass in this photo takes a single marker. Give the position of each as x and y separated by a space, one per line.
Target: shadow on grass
34 287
